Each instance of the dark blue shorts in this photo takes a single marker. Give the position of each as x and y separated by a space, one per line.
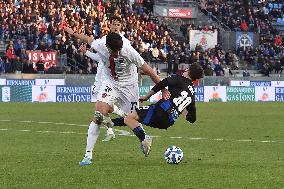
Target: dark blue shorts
153 116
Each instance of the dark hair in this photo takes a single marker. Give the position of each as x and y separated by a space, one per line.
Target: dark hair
114 41
195 71
115 18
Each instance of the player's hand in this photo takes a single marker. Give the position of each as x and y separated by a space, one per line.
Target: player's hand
143 98
69 30
166 94
83 48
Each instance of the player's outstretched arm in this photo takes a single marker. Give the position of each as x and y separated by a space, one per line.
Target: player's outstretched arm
80 36
191 113
93 56
158 87
146 69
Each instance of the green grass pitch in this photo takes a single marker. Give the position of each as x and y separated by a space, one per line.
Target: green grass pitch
232 145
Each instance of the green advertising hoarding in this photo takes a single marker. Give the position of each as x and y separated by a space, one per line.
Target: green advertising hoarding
240 94
143 90
15 93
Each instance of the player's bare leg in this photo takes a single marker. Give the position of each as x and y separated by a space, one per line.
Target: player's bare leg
131 120
101 114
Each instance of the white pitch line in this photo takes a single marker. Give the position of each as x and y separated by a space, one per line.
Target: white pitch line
126 133
199 138
45 131
83 125
25 121
67 132
4 129
44 122
25 130
244 140
267 141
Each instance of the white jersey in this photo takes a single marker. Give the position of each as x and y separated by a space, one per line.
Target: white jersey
123 90
126 63
96 57
99 75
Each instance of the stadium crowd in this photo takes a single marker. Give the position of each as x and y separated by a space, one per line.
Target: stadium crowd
38 25
258 16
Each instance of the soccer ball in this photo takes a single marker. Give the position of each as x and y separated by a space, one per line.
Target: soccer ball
173 155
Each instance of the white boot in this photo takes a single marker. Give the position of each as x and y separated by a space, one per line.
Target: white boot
109 135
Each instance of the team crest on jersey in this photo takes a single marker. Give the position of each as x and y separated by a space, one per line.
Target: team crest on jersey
104 95
120 64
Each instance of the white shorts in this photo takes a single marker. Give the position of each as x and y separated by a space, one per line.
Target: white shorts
126 98
95 91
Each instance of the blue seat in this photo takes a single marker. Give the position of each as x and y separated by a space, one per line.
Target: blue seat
275 5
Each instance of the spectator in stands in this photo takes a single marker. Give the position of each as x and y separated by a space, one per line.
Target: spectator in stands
236 60
146 54
183 29
244 26
94 68
227 71
170 62
18 65
2 65
266 69
155 55
278 67
40 66
218 69
27 66
246 73
11 56
278 41
208 71
175 62
69 70
89 66
82 62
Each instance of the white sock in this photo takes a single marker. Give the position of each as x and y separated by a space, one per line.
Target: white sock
117 111
93 134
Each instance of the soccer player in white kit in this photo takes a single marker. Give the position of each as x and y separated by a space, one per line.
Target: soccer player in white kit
115 26
120 85
98 83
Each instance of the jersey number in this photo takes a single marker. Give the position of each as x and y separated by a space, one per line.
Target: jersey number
182 101
133 106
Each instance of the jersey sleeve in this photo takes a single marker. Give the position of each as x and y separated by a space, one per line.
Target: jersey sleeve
97 43
172 80
125 40
191 112
93 56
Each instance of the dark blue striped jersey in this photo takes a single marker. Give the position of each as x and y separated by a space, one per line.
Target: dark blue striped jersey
182 97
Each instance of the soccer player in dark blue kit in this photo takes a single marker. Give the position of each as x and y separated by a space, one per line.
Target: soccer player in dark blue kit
164 113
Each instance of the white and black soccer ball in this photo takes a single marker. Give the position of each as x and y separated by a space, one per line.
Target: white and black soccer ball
173 155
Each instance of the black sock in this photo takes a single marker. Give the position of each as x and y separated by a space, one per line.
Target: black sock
140 133
118 121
